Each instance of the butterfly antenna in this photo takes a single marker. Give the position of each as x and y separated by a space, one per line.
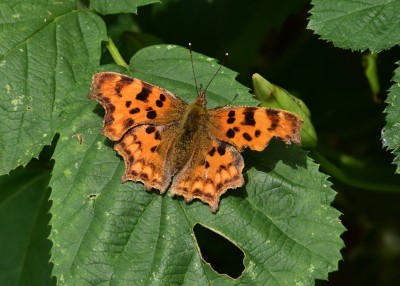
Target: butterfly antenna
194 75
220 66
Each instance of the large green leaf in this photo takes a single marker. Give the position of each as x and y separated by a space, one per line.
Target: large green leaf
46 48
24 222
107 232
391 133
357 25
119 6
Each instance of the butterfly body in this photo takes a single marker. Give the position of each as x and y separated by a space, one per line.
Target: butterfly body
163 139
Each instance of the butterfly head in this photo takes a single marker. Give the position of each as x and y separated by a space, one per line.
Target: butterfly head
201 93
201 96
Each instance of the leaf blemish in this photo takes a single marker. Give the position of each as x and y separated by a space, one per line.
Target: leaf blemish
99 145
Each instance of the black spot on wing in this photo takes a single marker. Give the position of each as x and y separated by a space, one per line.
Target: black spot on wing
126 79
151 114
247 136
249 116
134 110
230 133
230 120
144 94
159 103
212 151
221 150
273 115
150 129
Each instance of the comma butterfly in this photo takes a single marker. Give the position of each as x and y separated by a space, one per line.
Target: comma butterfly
161 137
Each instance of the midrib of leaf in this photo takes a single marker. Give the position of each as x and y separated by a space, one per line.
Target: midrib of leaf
352 13
28 38
157 247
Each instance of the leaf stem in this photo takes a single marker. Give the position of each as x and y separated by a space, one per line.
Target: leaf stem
115 54
342 176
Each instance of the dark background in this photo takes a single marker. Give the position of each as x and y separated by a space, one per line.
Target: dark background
271 38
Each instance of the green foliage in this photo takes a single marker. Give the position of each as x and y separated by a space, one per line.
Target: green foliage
51 48
105 232
364 25
391 133
357 25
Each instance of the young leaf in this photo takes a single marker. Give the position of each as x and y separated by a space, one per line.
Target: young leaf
105 232
48 48
391 132
276 97
357 25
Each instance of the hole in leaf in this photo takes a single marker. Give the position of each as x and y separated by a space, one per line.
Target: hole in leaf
224 256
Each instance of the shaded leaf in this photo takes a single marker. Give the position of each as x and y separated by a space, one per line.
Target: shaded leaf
391 132
121 6
105 232
357 25
24 221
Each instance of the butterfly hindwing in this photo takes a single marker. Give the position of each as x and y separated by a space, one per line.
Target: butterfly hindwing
214 168
145 150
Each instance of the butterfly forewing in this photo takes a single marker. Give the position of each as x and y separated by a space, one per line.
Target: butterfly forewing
253 127
130 102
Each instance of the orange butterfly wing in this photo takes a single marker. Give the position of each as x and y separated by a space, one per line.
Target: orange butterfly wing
130 102
144 119
253 127
145 150
214 168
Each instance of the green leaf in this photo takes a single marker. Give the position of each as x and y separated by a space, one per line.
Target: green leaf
357 25
121 6
169 66
51 48
391 134
107 232
24 222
